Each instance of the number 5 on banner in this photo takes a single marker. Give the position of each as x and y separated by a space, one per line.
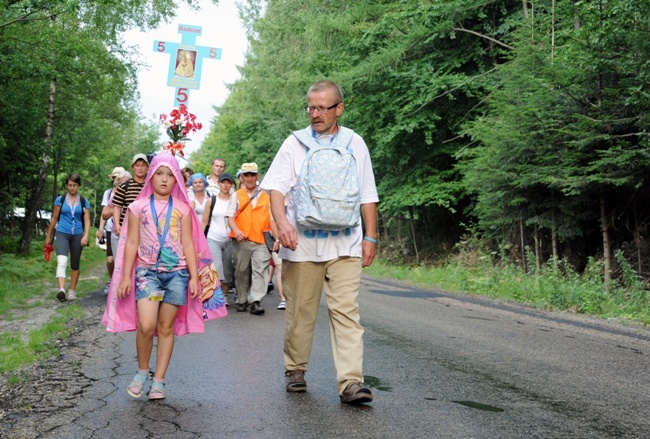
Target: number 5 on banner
182 96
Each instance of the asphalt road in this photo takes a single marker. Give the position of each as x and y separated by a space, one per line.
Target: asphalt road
439 365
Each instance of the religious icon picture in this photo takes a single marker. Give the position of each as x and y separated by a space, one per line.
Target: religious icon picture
185 63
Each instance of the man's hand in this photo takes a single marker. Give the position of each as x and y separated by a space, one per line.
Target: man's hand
368 250
287 235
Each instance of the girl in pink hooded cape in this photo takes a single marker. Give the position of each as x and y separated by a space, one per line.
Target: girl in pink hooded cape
122 315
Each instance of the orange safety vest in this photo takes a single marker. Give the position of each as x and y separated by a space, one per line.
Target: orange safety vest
253 221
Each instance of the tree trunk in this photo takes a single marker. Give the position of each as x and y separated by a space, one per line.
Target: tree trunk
415 244
607 250
554 245
538 250
525 3
523 243
33 207
637 244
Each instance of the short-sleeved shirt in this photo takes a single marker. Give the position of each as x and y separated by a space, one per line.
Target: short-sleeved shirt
199 207
106 199
318 245
219 229
172 257
125 194
71 216
213 187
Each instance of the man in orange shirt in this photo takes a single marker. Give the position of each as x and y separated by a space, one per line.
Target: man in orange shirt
249 216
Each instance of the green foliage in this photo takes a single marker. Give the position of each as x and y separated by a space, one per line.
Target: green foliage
16 352
70 53
21 291
553 289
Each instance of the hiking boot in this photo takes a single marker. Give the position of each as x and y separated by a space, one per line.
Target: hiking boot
295 381
241 307
256 309
356 393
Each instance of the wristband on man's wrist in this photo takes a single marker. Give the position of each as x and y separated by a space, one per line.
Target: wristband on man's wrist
368 238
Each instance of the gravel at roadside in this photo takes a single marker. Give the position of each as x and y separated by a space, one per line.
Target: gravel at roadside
48 392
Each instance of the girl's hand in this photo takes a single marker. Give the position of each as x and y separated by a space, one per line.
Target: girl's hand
84 241
194 287
124 288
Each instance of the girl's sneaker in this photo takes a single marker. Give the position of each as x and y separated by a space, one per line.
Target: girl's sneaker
61 295
282 305
137 385
157 390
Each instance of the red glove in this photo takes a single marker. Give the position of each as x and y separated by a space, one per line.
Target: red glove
47 252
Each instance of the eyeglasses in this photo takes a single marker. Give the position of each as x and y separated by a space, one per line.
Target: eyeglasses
321 110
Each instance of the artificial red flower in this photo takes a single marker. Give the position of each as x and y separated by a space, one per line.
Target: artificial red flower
180 123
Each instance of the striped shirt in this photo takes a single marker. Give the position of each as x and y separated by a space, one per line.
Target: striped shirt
125 194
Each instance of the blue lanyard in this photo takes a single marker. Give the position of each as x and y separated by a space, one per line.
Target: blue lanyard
163 235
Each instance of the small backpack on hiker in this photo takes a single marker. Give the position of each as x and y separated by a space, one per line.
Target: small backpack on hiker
329 193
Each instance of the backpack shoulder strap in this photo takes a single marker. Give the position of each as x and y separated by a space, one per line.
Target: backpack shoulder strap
125 186
84 202
304 136
342 139
213 201
60 207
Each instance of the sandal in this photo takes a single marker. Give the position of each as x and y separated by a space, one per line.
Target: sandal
137 385
61 295
157 390
72 296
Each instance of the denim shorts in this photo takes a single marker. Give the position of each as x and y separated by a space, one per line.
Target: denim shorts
172 284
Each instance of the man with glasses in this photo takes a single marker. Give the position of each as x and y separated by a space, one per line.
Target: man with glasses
317 260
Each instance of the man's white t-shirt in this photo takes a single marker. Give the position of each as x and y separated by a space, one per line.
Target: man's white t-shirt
213 186
318 245
106 199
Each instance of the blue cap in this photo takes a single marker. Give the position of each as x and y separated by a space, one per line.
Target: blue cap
198 176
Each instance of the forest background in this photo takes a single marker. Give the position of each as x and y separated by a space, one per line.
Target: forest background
502 133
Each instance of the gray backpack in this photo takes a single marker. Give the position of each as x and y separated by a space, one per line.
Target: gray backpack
329 193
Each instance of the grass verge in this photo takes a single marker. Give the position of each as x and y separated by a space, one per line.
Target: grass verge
550 288
27 293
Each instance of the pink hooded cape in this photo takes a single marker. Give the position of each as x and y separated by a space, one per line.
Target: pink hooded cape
122 315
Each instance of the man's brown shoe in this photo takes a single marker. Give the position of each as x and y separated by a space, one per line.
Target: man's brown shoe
356 393
295 381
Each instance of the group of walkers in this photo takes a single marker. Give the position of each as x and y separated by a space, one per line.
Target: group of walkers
159 221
